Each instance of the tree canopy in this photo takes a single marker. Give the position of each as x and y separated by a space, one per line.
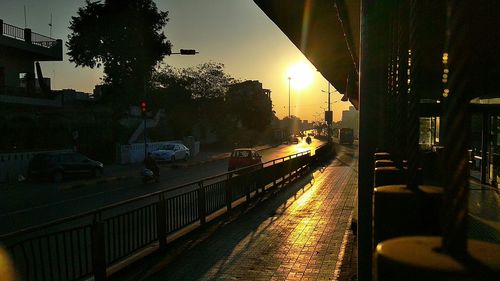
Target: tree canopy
123 36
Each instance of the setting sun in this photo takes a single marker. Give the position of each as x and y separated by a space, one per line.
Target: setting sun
301 74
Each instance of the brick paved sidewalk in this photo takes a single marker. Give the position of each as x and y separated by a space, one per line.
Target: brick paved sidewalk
300 233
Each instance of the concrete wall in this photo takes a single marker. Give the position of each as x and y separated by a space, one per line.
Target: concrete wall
134 153
14 63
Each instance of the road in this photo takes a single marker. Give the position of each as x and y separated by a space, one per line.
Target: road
36 204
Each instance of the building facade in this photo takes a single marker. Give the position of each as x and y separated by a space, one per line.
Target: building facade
350 119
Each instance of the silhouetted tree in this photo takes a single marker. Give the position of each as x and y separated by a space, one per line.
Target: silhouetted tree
124 36
194 95
207 80
252 108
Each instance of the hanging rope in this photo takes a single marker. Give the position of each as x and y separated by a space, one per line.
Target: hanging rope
414 67
402 78
456 121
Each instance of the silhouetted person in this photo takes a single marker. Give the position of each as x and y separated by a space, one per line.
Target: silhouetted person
150 163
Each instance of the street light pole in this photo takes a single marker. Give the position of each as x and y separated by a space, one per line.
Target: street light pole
329 109
184 52
289 117
289 79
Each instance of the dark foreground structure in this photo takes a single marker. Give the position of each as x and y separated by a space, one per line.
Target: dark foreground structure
423 75
402 63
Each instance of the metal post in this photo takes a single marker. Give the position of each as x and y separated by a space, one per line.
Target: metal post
329 110
289 116
372 86
161 221
229 194
289 79
202 208
98 253
485 140
145 140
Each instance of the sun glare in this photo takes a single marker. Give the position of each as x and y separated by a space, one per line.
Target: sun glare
301 74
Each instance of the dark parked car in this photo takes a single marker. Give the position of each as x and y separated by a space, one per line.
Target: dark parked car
56 166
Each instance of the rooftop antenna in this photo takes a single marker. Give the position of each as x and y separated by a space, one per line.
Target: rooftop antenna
50 25
24 16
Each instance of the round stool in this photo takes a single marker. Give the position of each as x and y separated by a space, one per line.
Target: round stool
399 211
381 156
384 163
417 258
387 176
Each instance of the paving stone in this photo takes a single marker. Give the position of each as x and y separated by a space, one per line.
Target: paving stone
297 237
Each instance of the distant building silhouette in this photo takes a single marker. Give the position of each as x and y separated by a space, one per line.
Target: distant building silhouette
350 119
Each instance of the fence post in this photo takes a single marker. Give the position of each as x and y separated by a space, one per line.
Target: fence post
229 194
274 178
98 252
202 208
161 221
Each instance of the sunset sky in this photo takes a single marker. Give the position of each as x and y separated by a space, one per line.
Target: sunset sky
234 32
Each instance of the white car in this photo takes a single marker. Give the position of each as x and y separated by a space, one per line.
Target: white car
171 152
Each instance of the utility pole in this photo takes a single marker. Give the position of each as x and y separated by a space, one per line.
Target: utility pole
329 108
329 120
289 79
289 116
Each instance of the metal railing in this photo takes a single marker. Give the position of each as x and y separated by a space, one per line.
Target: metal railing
13 31
42 40
87 244
27 35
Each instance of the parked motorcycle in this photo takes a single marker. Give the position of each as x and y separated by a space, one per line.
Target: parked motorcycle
149 176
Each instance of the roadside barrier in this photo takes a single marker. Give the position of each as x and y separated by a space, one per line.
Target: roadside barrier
88 244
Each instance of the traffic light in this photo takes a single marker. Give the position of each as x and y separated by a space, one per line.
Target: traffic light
188 52
144 108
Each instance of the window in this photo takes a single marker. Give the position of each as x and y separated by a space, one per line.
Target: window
429 132
65 158
168 147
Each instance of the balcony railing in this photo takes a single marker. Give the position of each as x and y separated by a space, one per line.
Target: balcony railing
26 35
42 40
13 31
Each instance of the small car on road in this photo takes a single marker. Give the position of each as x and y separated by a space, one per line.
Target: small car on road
171 152
294 139
243 157
57 166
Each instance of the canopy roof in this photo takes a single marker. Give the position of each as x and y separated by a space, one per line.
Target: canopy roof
327 33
